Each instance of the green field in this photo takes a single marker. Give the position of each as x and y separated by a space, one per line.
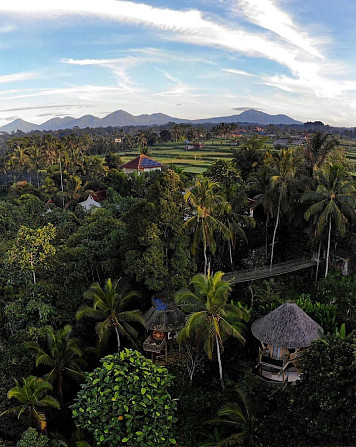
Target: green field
198 160
195 161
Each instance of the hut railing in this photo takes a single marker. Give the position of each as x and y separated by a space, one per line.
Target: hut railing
152 345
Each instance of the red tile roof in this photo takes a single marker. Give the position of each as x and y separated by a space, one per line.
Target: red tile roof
99 196
142 162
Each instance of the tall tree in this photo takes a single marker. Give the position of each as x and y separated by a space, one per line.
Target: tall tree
33 247
332 202
319 146
283 173
61 354
109 306
211 317
205 207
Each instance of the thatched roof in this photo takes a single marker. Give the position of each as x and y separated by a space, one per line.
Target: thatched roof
165 317
288 326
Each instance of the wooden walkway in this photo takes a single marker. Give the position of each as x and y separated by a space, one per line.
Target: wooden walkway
265 272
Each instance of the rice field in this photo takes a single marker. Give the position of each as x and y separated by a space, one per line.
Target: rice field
198 160
194 161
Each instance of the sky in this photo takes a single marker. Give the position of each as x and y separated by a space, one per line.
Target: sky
188 59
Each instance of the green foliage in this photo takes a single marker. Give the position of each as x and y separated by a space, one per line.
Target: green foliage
341 292
31 438
32 397
324 314
212 319
125 401
33 247
324 402
62 355
110 306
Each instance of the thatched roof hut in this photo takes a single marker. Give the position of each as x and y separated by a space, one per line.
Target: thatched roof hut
287 326
164 317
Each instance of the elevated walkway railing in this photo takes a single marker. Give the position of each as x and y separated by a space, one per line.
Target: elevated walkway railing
281 268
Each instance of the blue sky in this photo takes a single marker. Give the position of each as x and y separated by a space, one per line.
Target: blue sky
186 59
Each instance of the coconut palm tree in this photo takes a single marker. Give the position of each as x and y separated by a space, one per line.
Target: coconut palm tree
211 318
283 173
238 416
109 306
33 397
206 206
332 202
318 147
235 219
61 354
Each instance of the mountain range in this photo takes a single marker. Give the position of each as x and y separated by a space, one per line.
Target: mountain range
120 118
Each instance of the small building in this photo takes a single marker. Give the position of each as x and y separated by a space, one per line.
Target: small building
163 321
285 333
140 164
90 203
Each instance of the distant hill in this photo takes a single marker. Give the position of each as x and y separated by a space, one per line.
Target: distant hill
19 124
121 118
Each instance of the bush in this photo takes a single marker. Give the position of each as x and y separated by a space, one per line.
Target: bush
126 402
31 438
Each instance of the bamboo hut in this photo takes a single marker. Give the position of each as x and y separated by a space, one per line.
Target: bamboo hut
163 321
284 334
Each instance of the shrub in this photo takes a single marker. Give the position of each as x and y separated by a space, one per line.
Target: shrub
31 438
126 402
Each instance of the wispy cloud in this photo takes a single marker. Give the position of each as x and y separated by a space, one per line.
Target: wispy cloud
16 77
117 65
238 72
5 29
188 26
266 14
57 106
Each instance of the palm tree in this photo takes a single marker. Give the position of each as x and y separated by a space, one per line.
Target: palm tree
332 202
285 167
211 317
109 306
318 147
237 415
234 219
32 396
206 206
62 355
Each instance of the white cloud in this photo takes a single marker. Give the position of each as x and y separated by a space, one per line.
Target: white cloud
266 14
5 29
188 26
238 72
16 77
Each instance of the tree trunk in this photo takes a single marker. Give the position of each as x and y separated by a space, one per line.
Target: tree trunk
266 236
205 260
60 385
317 263
118 338
275 229
219 361
328 250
